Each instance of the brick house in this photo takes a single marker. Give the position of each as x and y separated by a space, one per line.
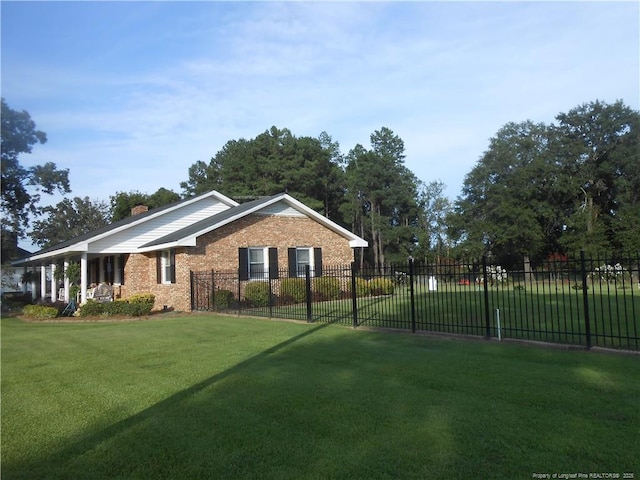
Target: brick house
156 250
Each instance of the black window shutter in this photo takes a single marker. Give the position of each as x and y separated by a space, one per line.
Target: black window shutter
273 263
172 256
293 263
317 262
159 266
243 263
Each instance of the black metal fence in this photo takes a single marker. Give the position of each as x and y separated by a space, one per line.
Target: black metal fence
589 302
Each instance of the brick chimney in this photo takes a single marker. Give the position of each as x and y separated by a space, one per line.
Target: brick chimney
138 209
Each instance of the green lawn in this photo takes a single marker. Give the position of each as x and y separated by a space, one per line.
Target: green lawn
541 311
227 397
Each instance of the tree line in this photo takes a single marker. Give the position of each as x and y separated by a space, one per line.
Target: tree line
537 190
559 188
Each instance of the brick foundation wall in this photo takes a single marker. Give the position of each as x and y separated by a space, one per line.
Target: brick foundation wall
218 250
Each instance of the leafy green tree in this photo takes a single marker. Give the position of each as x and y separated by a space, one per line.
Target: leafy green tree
331 175
22 187
585 230
203 178
381 198
162 197
509 199
122 202
434 210
539 189
275 161
68 219
600 155
626 226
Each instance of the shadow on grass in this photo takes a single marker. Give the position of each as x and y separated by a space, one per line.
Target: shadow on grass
359 406
56 466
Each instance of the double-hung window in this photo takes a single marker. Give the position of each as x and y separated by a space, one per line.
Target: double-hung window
166 266
258 263
301 257
257 267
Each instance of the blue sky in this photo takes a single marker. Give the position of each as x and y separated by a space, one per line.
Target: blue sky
131 94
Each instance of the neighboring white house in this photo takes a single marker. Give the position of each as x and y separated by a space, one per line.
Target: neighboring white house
11 278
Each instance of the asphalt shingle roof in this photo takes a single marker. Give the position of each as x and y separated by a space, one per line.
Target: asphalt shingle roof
211 221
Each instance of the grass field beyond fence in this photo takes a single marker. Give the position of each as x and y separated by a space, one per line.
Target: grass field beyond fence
230 397
587 302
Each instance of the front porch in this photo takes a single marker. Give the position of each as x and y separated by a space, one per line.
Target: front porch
94 270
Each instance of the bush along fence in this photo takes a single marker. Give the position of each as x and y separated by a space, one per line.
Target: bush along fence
581 301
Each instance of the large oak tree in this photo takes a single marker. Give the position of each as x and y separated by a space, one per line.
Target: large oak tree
563 187
22 186
67 219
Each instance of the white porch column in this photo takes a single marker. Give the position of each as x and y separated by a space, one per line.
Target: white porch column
33 283
83 278
54 285
66 281
117 277
43 281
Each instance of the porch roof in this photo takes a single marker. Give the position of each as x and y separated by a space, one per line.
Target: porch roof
81 243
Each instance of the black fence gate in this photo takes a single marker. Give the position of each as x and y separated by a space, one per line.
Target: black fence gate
202 290
215 291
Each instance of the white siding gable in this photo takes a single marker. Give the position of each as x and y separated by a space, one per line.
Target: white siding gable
282 209
129 239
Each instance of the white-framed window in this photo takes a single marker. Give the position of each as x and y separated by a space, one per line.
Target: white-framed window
258 266
258 263
304 257
167 266
300 257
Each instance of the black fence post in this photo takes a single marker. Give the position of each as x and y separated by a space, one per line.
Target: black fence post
270 298
239 292
354 299
212 297
413 298
307 275
191 278
487 312
585 299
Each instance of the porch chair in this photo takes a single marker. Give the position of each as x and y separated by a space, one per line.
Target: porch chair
69 309
103 293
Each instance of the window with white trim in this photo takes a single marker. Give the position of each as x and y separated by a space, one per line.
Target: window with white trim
167 267
300 257
257 263
258 267
303 258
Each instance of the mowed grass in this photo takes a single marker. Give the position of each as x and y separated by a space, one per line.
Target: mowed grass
227 397
541 311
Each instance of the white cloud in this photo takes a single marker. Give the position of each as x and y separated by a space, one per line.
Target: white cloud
166 92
